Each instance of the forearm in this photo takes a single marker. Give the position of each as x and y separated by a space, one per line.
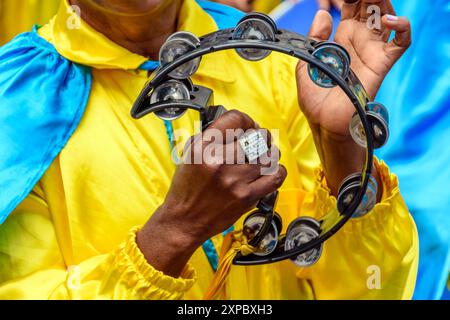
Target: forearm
340 157
166 249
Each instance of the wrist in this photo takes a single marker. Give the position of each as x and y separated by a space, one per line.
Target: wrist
339 154
164 245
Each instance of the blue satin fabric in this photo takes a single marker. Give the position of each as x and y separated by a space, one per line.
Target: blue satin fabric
417 94
42 99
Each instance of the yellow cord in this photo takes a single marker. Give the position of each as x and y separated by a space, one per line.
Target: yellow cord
233 243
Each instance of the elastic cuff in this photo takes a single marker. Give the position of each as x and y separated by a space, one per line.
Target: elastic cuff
376 218
148 282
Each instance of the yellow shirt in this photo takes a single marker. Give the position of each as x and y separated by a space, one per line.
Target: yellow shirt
73 237
19 16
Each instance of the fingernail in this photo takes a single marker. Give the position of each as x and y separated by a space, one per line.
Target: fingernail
391 17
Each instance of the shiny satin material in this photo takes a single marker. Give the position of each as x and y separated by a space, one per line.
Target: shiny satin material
417 94
74 235
42 99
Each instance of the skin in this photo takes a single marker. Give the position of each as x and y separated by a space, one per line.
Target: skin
205 200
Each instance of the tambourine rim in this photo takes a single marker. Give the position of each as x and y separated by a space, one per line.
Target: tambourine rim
344 84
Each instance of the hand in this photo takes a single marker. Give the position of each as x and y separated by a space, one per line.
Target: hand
327 4
372 56
243 5
204 199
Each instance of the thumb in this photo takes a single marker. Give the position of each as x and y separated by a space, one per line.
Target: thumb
321 30
322 26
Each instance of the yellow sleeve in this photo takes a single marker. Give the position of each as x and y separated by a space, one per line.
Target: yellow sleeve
32 265
372 257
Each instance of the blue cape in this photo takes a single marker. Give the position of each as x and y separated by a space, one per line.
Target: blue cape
42 99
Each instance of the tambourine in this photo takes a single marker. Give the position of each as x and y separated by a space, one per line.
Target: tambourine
170 92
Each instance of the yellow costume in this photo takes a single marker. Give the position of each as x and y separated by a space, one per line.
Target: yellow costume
19 16
73 237
265 6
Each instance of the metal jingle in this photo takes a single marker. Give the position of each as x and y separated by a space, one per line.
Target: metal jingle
379 109
261 16
176 46
192 38
334 56
253 28
172 90
379 126
278 222
379 118
253 224
357 131
303 230
347 193
354 177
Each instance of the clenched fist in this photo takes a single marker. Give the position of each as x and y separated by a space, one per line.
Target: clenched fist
206 198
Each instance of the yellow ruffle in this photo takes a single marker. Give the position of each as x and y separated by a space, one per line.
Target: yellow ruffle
148 282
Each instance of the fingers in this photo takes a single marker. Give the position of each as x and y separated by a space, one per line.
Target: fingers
321 30
269 183
322 26
402 39
371 7
233 120
350 9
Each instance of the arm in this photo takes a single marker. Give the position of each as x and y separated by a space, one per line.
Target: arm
151 263
385 239
375 256
36 262
328 111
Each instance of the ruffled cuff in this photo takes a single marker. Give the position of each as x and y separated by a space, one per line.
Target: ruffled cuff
148 282
324 203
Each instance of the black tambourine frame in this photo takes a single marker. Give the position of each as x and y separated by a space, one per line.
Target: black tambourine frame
300 47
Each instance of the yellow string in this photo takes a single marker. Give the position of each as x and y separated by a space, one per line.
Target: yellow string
233 243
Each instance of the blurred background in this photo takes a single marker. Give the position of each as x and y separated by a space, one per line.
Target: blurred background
416 92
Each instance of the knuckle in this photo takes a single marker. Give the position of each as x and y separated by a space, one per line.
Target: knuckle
241 118
279 177
227 183
243 195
